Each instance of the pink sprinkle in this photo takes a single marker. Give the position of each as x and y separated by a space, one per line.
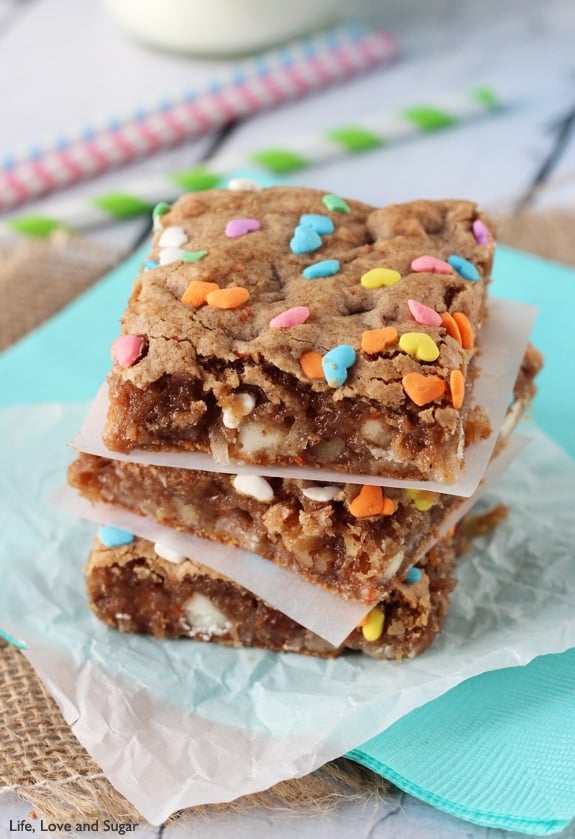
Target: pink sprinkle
423 314
127 349
291 317
431 264
481 233
240 226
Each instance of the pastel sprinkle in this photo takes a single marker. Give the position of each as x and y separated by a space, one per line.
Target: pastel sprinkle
336 362
457 388
197 292
244 185
413 575
463 267
372 627
114 537
326 268
376 340
228 298
371 502
127 349
481 232
240 226
321 224
423 314
291 317
423 499
420 345
173 237
336 204
253 486
192 256
465 330
311 364
378 277
321 493
160 209
431 264
423 389
305 239
450 326
150 264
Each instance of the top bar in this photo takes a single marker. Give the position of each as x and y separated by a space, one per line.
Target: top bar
289 326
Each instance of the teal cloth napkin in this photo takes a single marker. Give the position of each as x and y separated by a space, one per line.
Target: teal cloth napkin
499 749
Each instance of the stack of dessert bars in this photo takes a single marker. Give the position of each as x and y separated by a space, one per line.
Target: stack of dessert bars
317 358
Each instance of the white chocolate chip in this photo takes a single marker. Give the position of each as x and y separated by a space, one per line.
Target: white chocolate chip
320 493
254 486
241 406
173 237
254 437
168 554
239 184
204 618
168 255
393 565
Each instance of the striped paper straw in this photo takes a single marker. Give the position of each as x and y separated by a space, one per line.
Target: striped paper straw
371 132
270 80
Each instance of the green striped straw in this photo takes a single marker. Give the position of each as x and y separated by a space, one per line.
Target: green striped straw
373 131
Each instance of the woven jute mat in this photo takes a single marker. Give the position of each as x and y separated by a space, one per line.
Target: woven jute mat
42 761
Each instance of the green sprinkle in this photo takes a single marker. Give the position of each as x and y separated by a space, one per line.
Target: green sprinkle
193 256
40 227
279 161
355 139
196 180
160 209
336 204
428 119
121 206
486 96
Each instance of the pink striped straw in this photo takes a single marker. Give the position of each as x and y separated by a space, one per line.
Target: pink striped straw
137 138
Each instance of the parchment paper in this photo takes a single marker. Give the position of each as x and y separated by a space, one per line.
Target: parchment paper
180 723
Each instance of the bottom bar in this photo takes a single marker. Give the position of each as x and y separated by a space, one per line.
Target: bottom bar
135 589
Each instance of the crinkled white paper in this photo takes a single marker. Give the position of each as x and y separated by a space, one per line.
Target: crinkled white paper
175 724
503 340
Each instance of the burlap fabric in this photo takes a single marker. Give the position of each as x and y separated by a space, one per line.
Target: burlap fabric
41 759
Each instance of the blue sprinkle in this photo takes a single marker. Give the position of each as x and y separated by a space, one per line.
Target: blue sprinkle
62 143
139 113
463 267
336 362
150 264
164 104
321 224
305 239
413 575
114 123
35 152
113 537
88 132
326 268
190 95
9 162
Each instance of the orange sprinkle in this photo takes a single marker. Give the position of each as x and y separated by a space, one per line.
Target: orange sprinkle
371 502
423 389
465 329
197 292
228 298
311 365
376 340
450 326
457 387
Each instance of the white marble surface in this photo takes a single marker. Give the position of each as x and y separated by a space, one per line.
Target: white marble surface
64 64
